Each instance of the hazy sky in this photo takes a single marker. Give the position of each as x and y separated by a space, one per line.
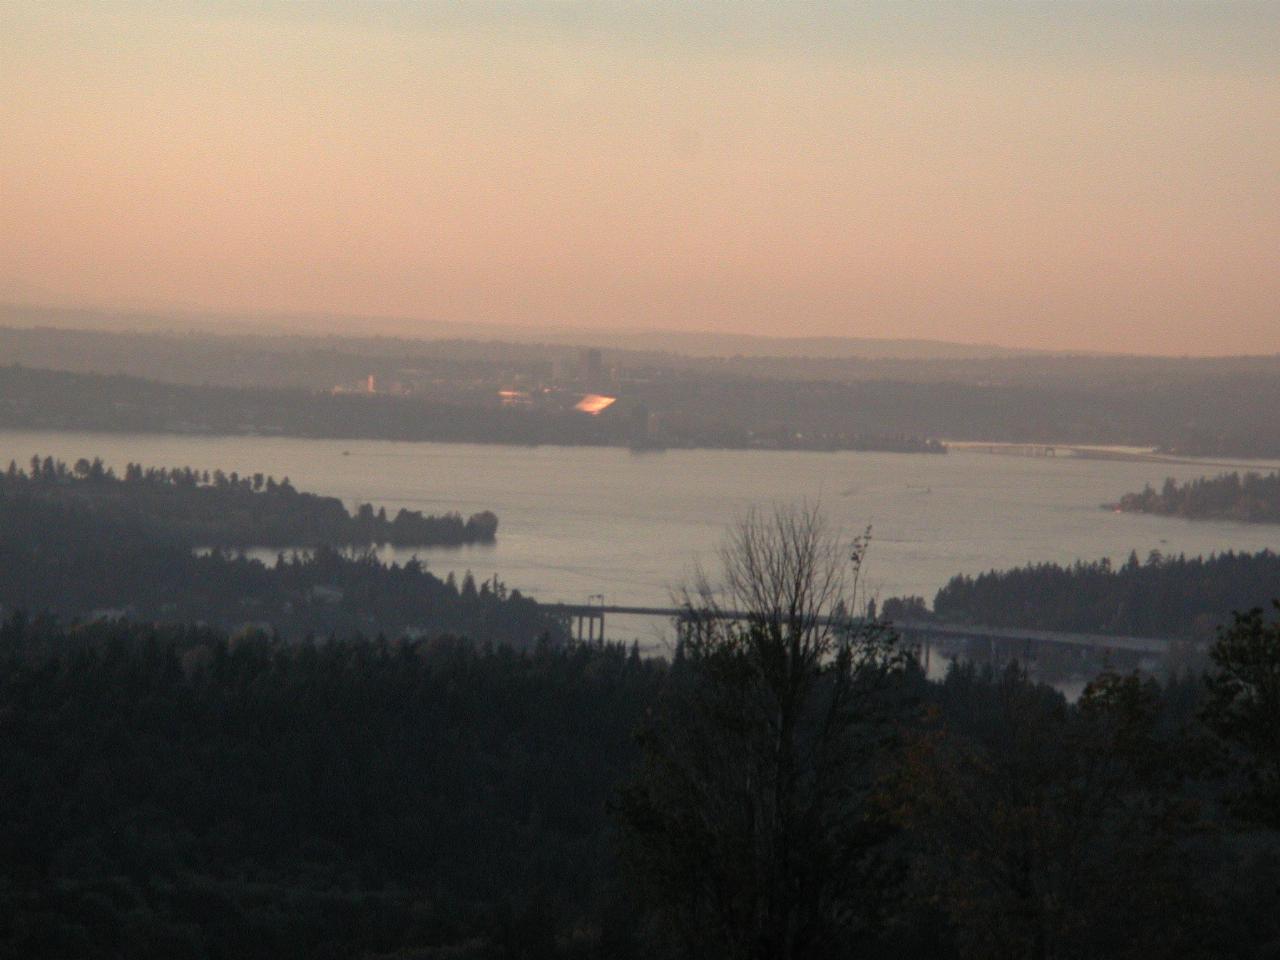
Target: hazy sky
1079 175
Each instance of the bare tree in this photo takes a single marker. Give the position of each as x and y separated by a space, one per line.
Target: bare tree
786 575
748 828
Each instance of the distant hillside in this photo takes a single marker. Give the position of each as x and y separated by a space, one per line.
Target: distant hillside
700 344
256 357
1230 415
690 343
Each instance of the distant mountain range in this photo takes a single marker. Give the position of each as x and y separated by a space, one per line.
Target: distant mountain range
685 342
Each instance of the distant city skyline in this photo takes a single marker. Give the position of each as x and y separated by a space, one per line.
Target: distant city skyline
1087 176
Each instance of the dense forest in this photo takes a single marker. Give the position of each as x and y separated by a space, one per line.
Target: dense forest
1177 597
64 557
170 793
1253 498
219 509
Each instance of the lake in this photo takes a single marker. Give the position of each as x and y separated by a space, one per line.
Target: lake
576 521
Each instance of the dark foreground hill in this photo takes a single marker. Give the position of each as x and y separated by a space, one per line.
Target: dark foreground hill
168 793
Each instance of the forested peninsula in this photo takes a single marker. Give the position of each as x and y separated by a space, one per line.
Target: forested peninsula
1251 498
1175 597
65 555
219 509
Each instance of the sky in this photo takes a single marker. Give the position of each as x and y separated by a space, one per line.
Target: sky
1097 176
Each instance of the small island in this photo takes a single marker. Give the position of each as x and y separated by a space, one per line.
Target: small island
226 510
1251 498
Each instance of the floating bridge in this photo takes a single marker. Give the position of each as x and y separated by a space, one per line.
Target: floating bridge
586 622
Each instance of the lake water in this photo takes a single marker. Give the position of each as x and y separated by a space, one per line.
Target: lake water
580 521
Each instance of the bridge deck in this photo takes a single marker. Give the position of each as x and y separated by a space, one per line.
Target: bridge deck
1096 641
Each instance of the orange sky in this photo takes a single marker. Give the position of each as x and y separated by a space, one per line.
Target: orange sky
1091 175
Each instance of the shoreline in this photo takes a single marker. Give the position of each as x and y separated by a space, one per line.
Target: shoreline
1083 451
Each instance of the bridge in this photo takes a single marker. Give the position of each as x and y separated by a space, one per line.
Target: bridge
586 622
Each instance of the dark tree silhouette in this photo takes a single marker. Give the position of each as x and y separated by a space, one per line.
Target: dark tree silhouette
1253 498
748 827
1243 707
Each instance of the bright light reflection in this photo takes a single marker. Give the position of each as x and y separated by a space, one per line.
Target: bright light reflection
593 403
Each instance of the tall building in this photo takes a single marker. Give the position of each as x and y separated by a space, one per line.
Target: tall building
592 366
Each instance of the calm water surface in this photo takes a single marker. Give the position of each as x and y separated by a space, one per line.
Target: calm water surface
580 521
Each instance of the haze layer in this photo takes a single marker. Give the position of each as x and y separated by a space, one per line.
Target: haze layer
1084 176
